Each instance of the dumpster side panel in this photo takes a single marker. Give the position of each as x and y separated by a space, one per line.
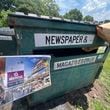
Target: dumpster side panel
27 39
64 81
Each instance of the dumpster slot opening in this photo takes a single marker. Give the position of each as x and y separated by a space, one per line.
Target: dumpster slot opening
64 52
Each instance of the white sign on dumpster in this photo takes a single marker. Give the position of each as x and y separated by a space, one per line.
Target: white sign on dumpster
2 37
74 62
42 40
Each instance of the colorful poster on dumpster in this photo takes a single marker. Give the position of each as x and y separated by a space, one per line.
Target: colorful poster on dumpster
23 75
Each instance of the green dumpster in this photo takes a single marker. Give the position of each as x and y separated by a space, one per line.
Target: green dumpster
71 67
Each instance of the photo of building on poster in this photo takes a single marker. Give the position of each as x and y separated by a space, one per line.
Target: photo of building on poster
23 75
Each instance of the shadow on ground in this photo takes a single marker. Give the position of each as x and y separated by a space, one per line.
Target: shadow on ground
68 101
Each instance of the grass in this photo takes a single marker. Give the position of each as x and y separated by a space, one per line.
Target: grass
104 79
98 105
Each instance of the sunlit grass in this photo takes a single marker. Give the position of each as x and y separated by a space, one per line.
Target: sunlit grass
104 79
105 76
98 105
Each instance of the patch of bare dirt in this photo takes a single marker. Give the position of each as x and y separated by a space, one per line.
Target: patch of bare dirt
97 91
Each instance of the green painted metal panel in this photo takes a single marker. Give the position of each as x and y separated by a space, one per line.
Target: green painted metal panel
28 21
8 47
27 41
26 27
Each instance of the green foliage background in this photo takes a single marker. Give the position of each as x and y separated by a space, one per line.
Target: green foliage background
39 7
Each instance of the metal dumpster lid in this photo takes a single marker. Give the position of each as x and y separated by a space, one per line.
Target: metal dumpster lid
31 15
